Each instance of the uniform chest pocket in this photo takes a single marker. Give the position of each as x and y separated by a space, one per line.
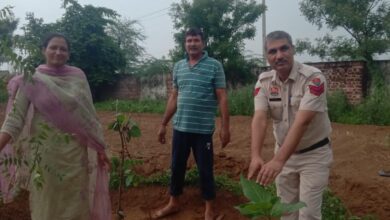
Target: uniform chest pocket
295 102
276 108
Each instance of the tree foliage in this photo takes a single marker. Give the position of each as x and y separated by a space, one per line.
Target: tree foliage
102 45
9 42
366 21
8 24
126 34
151 66
226 24
93 50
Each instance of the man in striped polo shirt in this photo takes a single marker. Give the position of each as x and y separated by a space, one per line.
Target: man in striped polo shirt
199 87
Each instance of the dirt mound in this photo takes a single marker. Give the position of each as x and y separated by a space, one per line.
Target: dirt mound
359 152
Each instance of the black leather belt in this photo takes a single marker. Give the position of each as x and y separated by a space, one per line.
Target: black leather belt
319 144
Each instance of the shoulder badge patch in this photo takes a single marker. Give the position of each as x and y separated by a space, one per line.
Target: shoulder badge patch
317 88
274 91
257 90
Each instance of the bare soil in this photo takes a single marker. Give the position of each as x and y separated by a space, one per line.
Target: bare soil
359 152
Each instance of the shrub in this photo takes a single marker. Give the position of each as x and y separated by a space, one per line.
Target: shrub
241 101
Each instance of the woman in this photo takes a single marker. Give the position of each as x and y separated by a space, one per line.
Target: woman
55 112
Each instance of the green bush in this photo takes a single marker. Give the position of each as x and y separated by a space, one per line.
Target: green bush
337 105
334 209
241 101
373 109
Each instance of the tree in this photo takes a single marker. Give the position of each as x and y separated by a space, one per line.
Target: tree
8 24
226 24
366 21
94 51
30 43
151 66
127 36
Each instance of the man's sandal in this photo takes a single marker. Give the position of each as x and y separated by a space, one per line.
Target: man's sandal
385 173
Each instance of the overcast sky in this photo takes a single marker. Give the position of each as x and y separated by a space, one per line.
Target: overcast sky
157 24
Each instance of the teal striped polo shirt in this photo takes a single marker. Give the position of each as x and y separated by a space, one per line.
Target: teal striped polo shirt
197 101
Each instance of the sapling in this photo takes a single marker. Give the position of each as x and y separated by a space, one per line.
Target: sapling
127 129
263 203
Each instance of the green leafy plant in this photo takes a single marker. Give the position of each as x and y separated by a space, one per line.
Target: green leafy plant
127 129
35 165
130 178
263 203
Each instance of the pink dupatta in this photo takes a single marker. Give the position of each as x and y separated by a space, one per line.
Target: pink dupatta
81 124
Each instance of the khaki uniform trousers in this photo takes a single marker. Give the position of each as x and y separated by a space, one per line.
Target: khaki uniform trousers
304 177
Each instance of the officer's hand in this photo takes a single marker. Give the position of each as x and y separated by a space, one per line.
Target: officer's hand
269 172
255 166
161 134
224 136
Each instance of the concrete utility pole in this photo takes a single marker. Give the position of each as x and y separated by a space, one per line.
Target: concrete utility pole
264 35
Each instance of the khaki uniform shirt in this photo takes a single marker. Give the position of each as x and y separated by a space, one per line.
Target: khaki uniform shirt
305 89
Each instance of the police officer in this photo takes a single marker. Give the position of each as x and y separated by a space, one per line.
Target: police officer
295 96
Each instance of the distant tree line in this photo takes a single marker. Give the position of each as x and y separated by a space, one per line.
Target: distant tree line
107 46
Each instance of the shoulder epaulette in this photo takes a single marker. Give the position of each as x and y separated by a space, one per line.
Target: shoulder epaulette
307 70
265 75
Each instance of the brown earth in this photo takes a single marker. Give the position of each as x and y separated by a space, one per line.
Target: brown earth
359 152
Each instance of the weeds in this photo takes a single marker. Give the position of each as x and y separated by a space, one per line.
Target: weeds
241 101
370 111
136 106
332 207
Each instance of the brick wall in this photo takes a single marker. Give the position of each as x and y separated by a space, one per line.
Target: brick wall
127 88
349 76
132 87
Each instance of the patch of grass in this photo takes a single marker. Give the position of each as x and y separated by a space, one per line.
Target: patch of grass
136 106
223 181
334 209
162 178
332 206
373 110
241 101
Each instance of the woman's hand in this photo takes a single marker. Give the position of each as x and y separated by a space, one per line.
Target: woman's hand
103 160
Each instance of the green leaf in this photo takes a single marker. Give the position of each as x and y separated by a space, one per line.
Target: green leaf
250 210
280 209
135 131
114 163
120 118
129 180
255 192
112 125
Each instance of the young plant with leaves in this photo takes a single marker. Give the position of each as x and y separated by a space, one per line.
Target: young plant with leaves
129 177
263 203
33 167
127 129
